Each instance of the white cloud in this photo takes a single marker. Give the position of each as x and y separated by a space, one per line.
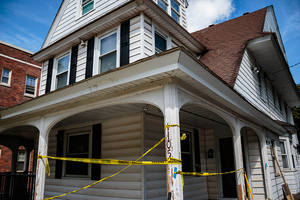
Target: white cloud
202 13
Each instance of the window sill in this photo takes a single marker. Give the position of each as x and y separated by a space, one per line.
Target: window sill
5 84
84 14
29 95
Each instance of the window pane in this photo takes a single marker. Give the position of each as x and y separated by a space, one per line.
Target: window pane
30 81
285 161
160 43
282 148
21 156
175 16
20 166
77 168
79 144
175 5
88 7
62 80
187 162
162 4
5 73
63 64
4 80
108 62
108 44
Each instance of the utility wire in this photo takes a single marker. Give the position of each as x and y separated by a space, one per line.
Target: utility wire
286 68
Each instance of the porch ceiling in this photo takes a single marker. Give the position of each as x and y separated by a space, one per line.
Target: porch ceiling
190 114
27 132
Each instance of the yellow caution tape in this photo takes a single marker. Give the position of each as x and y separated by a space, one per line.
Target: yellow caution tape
114 162
205 173
171 125
183 137
248 187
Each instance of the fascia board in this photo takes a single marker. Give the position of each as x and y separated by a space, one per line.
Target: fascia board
143 69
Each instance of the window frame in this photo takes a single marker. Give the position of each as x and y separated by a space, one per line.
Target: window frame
166 3
159 33
66 148
82 4
55 69
284 155
9 77
97 69
22 161
35 86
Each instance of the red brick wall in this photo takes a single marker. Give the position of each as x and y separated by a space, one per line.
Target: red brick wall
15 93
5 159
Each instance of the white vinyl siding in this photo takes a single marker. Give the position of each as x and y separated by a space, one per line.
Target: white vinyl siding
255 159
247 84
121 139
71 21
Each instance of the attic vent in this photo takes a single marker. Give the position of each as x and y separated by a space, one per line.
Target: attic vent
246 13
211 25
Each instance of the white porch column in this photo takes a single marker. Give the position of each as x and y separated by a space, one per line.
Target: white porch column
172 140
239 164
41 163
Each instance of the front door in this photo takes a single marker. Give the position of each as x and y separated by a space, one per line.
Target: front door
227 164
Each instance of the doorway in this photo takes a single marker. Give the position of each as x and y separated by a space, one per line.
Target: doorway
227 164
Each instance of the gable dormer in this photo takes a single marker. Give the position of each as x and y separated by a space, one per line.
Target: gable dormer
75 14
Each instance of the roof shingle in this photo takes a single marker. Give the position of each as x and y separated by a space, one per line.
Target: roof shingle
226 43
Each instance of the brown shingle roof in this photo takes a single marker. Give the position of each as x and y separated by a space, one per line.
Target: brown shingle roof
226 43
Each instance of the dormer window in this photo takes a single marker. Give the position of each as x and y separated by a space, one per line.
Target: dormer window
86 6
163 4
175 10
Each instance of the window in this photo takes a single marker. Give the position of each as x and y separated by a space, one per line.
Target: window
284 154
279 103
30 87
175 10
260 84
86 6
21 160
62 71
6 76
163 4
78 147
108 52
160 42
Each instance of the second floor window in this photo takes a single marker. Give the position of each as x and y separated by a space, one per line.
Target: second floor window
175 10
30 86
5 77
87 5
62 71
108 52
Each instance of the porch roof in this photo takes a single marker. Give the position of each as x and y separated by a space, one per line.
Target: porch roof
177 64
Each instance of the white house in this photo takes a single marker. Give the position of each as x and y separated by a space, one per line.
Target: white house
115 73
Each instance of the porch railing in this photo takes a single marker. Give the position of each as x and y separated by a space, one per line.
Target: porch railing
16 186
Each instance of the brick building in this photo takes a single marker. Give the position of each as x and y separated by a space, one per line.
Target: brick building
19 75
19 82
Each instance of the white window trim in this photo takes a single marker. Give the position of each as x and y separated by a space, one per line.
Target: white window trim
96 69
24 162
55 65
81 7
286 154
9 77
157 29
77 131
35 87
178 13
191 133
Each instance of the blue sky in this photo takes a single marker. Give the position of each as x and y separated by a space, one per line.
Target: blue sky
25 23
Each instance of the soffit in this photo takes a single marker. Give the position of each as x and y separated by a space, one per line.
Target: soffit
268 55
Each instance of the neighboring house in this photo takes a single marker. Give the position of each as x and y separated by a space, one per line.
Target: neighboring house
20 80
115 73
